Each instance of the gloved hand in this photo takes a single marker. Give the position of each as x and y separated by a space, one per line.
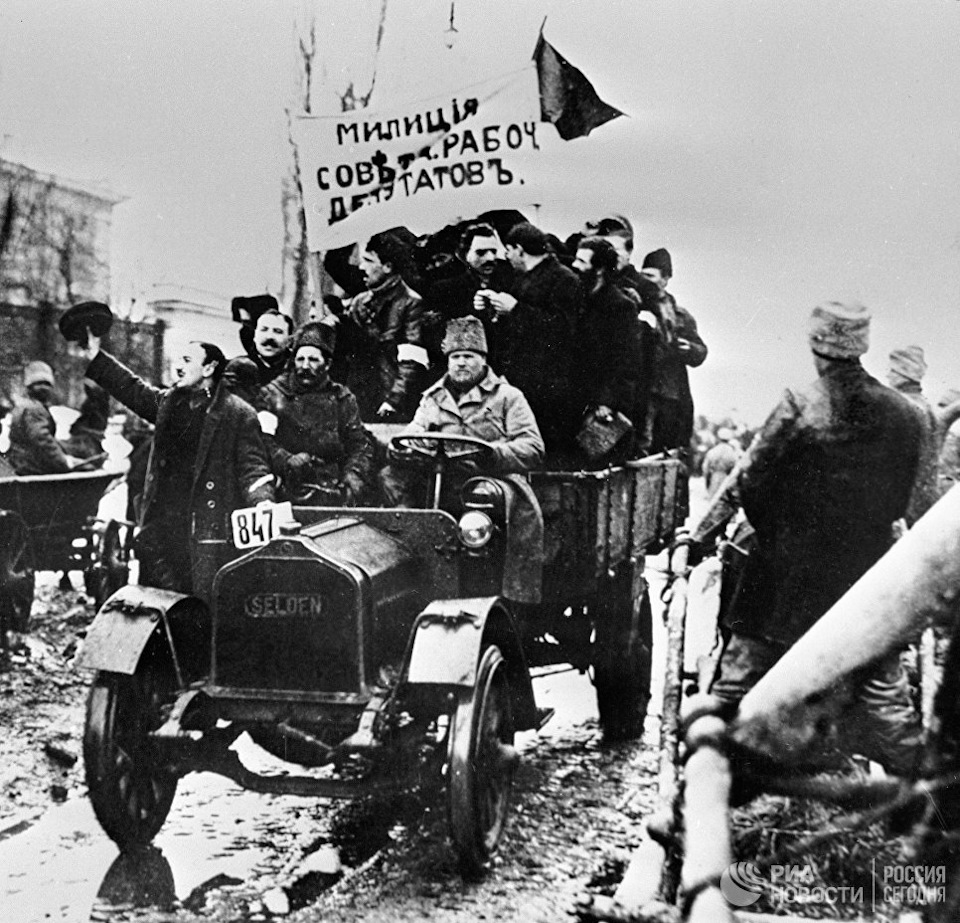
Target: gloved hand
297 469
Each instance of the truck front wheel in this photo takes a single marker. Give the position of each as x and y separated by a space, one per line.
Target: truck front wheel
481 764
623 644
131 790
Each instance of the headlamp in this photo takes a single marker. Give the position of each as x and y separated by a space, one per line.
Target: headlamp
475 529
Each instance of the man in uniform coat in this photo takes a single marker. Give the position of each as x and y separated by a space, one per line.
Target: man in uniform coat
822 484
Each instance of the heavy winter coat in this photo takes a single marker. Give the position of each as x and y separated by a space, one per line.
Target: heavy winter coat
452 297
323 422
926 489
497 412
493 410
670 379
535 346
33 445
608 350
231 469
376 324
827 476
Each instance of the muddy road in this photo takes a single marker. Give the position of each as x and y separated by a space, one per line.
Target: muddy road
228 854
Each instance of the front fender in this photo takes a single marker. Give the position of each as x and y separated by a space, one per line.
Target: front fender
448 639
131 617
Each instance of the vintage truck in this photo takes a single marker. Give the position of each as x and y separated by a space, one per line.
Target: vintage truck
374 643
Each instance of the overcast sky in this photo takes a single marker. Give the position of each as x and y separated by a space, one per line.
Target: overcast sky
785 153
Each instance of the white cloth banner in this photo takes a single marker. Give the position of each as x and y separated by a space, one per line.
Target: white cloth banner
424 165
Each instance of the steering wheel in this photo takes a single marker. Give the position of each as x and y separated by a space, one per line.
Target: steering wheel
439 449
442 447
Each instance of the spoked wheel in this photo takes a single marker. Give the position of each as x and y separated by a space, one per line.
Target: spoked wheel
482 763
16 575
110 572
622 659
130 789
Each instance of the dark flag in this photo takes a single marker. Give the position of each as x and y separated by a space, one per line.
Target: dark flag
567 98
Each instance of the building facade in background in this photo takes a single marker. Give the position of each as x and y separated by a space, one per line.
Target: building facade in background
54 252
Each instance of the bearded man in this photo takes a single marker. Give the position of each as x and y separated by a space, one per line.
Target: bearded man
312 424
609 344
472 400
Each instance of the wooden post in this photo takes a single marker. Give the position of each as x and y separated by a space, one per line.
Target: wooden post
653 874
707 850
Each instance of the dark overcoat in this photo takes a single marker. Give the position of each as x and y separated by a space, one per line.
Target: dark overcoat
829 473
608 354
535 345
374 338
323 422
926 489
231 469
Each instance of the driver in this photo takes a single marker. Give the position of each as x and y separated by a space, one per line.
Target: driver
472 400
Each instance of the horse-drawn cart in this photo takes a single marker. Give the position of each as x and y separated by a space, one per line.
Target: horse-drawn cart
50 522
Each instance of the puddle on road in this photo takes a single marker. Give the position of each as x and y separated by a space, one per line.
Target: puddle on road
64 868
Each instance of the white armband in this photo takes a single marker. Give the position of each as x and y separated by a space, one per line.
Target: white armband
407 352
268 422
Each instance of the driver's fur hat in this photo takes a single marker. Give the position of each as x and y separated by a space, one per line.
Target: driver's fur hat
37 373
839 331
464 333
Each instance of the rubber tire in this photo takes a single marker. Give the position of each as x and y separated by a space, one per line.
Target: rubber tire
481 765
131 794
623 650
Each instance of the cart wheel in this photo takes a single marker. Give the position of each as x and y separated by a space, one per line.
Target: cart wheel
111 569
130 790
482 762
16 574
622 659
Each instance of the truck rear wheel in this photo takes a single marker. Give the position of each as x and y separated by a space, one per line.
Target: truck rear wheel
130 789
481 764
623 646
